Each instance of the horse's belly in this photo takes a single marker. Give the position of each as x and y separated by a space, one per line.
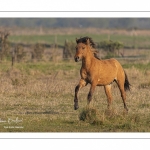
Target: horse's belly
105 81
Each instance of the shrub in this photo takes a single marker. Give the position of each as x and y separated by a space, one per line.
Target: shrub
69 49
38 51
19 53
111 47
4 45
91 116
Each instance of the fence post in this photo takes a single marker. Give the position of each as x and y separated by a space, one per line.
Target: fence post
13 58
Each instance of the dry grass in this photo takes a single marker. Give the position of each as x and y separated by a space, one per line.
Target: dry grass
44 100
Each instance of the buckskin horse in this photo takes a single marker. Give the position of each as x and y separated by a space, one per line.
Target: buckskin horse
98 72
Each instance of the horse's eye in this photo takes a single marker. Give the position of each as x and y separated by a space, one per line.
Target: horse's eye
83 47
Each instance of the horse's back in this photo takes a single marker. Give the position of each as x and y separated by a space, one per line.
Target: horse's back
109 64
117 68
111 67
105 71
112 62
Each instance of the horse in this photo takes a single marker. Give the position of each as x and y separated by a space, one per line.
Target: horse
98 72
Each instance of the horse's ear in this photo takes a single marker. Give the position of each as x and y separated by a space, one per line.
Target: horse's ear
88 42
76 40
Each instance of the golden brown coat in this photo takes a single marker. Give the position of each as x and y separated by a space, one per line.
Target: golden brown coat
98 72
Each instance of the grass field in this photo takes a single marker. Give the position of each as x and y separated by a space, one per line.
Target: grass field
38 97
127 40
130 38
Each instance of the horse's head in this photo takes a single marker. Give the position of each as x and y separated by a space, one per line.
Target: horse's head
81 49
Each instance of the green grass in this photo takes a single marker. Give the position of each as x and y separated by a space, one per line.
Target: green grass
128 41
41 67
139 66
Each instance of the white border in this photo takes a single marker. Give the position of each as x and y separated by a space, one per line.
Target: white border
72 9
71 135
70 144
71 14
76 5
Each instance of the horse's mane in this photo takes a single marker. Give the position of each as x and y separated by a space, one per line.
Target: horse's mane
92 44
84 40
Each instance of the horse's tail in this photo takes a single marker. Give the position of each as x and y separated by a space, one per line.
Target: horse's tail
126 83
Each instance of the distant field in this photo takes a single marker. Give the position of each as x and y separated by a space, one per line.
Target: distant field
128 40
38 97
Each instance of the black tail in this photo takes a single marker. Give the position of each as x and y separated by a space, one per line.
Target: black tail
126 83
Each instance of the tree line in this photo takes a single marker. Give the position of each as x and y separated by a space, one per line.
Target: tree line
125 23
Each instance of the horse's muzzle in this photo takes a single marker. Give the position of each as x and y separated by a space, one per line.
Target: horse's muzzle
77 59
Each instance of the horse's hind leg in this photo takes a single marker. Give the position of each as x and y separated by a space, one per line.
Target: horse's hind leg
81 84
108 94
123 94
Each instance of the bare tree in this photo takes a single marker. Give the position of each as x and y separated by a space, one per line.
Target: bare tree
4 44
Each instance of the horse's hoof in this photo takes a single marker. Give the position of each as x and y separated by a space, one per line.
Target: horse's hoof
126 109
76 107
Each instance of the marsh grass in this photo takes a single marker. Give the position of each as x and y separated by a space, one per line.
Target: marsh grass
91 116
42 95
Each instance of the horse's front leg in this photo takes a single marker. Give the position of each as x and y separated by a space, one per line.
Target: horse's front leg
81 84
92 89
108 94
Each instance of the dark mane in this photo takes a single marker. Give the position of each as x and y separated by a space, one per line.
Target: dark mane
92 44
84 39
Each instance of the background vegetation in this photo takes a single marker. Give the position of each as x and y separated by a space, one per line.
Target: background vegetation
125 23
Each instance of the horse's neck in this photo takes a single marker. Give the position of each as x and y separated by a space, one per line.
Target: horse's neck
87 62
